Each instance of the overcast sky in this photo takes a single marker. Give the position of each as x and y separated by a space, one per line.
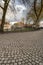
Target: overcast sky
20 8
21 11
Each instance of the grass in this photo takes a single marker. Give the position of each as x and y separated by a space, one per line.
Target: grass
23 30
26 29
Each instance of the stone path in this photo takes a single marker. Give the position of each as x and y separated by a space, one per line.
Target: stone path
21 48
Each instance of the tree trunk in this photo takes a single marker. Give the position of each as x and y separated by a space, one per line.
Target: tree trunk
37 23
37 15
4 14
3 21
3 17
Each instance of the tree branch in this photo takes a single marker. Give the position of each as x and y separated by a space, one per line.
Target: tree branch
1 7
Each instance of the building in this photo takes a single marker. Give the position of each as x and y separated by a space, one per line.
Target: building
7 26
19 24
41 24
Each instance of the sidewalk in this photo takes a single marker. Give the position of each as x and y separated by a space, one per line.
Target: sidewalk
21 48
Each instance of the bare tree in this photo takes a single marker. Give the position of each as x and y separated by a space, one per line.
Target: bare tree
37 11
6 3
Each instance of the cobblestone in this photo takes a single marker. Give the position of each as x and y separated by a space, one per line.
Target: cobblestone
21 48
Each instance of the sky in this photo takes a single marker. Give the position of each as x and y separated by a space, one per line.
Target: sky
21 10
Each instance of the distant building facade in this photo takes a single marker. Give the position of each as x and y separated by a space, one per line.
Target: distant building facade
41 24
7 26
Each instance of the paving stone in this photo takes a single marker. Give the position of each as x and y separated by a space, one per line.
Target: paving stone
7 64
26 61
20 59
23 62
15 63
0 58
37 61
21 48
40 63
30 60
9 61
33 63
17 60
19 63
9 56
24 58
11 64
5 61
29 63
1 62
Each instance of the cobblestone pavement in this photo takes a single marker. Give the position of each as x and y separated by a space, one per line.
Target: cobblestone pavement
21 48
